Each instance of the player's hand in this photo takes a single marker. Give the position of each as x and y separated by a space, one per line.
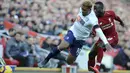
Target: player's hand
108 47
123 25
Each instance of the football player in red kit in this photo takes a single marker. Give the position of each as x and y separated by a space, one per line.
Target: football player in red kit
106 22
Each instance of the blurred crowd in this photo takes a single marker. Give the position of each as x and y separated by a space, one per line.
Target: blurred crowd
26 51
53 17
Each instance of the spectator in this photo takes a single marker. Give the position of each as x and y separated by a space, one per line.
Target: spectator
11 32
13 49
24 49
29 45
47 43
39 52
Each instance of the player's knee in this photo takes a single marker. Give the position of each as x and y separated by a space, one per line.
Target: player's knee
70 59
63 45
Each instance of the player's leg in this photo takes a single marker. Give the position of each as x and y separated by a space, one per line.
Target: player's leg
74 51
92 55
70 59
113 40
99 57
68 39
54 52
99 52
100 48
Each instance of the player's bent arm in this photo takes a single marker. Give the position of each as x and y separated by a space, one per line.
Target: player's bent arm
117 18
100 33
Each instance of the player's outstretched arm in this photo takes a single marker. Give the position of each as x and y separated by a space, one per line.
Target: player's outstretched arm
117 18
101 35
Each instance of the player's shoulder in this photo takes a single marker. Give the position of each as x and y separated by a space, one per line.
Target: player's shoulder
109 12
93 19
92 15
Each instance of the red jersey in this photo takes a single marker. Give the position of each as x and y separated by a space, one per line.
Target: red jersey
107 23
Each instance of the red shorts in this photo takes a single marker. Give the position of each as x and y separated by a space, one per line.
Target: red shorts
113 40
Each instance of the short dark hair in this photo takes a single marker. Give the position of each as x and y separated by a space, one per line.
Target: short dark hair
100 3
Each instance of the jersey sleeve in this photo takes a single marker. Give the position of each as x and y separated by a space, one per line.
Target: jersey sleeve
112 13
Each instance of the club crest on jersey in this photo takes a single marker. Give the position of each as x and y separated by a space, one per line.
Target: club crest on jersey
100 23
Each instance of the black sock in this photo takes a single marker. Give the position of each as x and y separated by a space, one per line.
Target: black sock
53 53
